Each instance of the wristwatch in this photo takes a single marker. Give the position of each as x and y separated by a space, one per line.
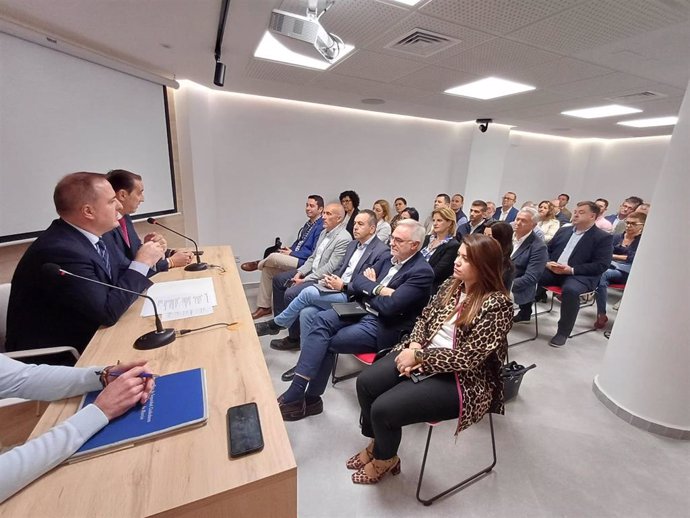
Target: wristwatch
344 288
419 355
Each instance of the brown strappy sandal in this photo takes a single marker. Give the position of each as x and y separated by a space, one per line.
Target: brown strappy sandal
359 460
374 471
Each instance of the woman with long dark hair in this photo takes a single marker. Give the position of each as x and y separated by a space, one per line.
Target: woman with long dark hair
503 233
460 338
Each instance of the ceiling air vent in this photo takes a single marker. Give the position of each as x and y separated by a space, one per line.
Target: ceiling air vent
637 97
422 43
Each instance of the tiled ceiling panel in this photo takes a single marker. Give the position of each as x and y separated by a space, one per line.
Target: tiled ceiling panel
599 22
498 56
365 88
270 71
358 22
375 66
605 86
435 79
495 16
558 72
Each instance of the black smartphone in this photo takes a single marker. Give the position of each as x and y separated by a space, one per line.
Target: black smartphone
418 376
244 430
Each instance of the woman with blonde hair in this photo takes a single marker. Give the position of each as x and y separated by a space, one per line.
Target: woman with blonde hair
440 247
460 339
383 229
548 223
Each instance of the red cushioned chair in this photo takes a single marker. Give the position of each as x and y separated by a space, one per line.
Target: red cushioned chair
586 299
365 358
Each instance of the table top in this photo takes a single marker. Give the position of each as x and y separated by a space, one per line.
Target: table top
192 465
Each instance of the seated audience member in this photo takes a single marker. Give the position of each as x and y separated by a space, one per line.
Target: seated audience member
360 254
395 289
456 203
287 258
507 212
563 200
601 222
400 205
410 213
383 228
350 202
476 223
624 249
528 204
326 258
561 216
45 312
628 206
644 208
503 233
578 255
23 464
461 338
529 259
490 211
441 200
548 223
129 190
440 248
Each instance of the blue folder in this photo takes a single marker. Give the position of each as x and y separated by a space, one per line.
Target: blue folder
178 401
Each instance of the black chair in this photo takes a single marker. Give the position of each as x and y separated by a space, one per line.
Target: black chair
536 328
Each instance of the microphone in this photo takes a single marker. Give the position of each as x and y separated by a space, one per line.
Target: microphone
190 267
151 340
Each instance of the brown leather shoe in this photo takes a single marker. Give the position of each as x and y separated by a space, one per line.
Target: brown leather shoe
261 312
292 411
601 321
251 266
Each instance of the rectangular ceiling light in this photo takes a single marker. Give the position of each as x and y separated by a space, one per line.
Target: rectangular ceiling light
489 88
270 48
648 123
601 111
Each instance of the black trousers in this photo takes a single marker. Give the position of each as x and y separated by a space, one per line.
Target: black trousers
389 402
572 286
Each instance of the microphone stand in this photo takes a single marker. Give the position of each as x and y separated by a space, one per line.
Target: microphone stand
192 267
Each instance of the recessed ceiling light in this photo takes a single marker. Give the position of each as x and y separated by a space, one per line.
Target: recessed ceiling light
648 123
270 48
601 111
489 88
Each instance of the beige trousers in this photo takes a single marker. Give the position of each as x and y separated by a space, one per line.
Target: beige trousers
270 267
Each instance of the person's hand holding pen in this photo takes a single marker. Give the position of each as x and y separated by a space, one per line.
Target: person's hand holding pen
126 385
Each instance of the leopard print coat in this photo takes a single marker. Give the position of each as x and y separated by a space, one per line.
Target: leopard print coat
479 352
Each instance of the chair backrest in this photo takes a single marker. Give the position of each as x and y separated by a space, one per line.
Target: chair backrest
4 301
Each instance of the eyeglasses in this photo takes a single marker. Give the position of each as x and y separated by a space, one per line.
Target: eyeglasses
398 241
508 198
630 224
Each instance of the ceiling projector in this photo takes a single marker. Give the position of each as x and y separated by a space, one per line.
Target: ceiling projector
293 30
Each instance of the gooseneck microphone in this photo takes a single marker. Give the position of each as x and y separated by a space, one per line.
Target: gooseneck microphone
193 267
151 340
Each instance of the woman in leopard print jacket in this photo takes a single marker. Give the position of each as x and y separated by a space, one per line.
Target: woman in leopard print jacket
460 338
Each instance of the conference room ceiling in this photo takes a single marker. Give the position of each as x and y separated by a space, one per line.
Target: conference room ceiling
578 53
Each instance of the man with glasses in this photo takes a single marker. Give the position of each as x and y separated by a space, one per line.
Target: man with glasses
394 291
579 254
507 212
628 206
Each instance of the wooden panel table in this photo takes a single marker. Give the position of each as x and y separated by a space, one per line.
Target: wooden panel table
190 473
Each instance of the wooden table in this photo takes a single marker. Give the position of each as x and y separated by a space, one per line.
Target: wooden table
190 473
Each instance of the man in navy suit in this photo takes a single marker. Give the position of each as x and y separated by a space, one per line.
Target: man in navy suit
396 290
507 212
364 251
578 254
129 190
45 312
529 257
628 206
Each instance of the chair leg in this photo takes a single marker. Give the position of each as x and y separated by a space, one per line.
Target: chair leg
337 379
536 329
462 485
586 305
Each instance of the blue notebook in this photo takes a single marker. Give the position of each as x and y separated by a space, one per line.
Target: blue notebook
178 401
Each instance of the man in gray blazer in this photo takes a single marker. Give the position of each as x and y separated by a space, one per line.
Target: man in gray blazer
326 258
529 257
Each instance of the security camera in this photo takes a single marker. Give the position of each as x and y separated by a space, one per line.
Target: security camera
484 124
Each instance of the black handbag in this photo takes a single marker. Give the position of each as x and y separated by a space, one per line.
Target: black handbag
511 375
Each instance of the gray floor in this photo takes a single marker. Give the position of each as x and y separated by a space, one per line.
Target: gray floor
560 451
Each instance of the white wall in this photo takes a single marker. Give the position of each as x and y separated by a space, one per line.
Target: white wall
249 162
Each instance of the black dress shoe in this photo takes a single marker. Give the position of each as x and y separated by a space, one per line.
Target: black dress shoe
285 344
293 411
267 328
288 374
313 408
522 318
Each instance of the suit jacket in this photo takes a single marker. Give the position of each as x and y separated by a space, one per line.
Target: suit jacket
463 230
512 213
351 222
130 251
412 285
372 255
331 257
563 218
442 260
308 246
591 256
529 261
45 312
